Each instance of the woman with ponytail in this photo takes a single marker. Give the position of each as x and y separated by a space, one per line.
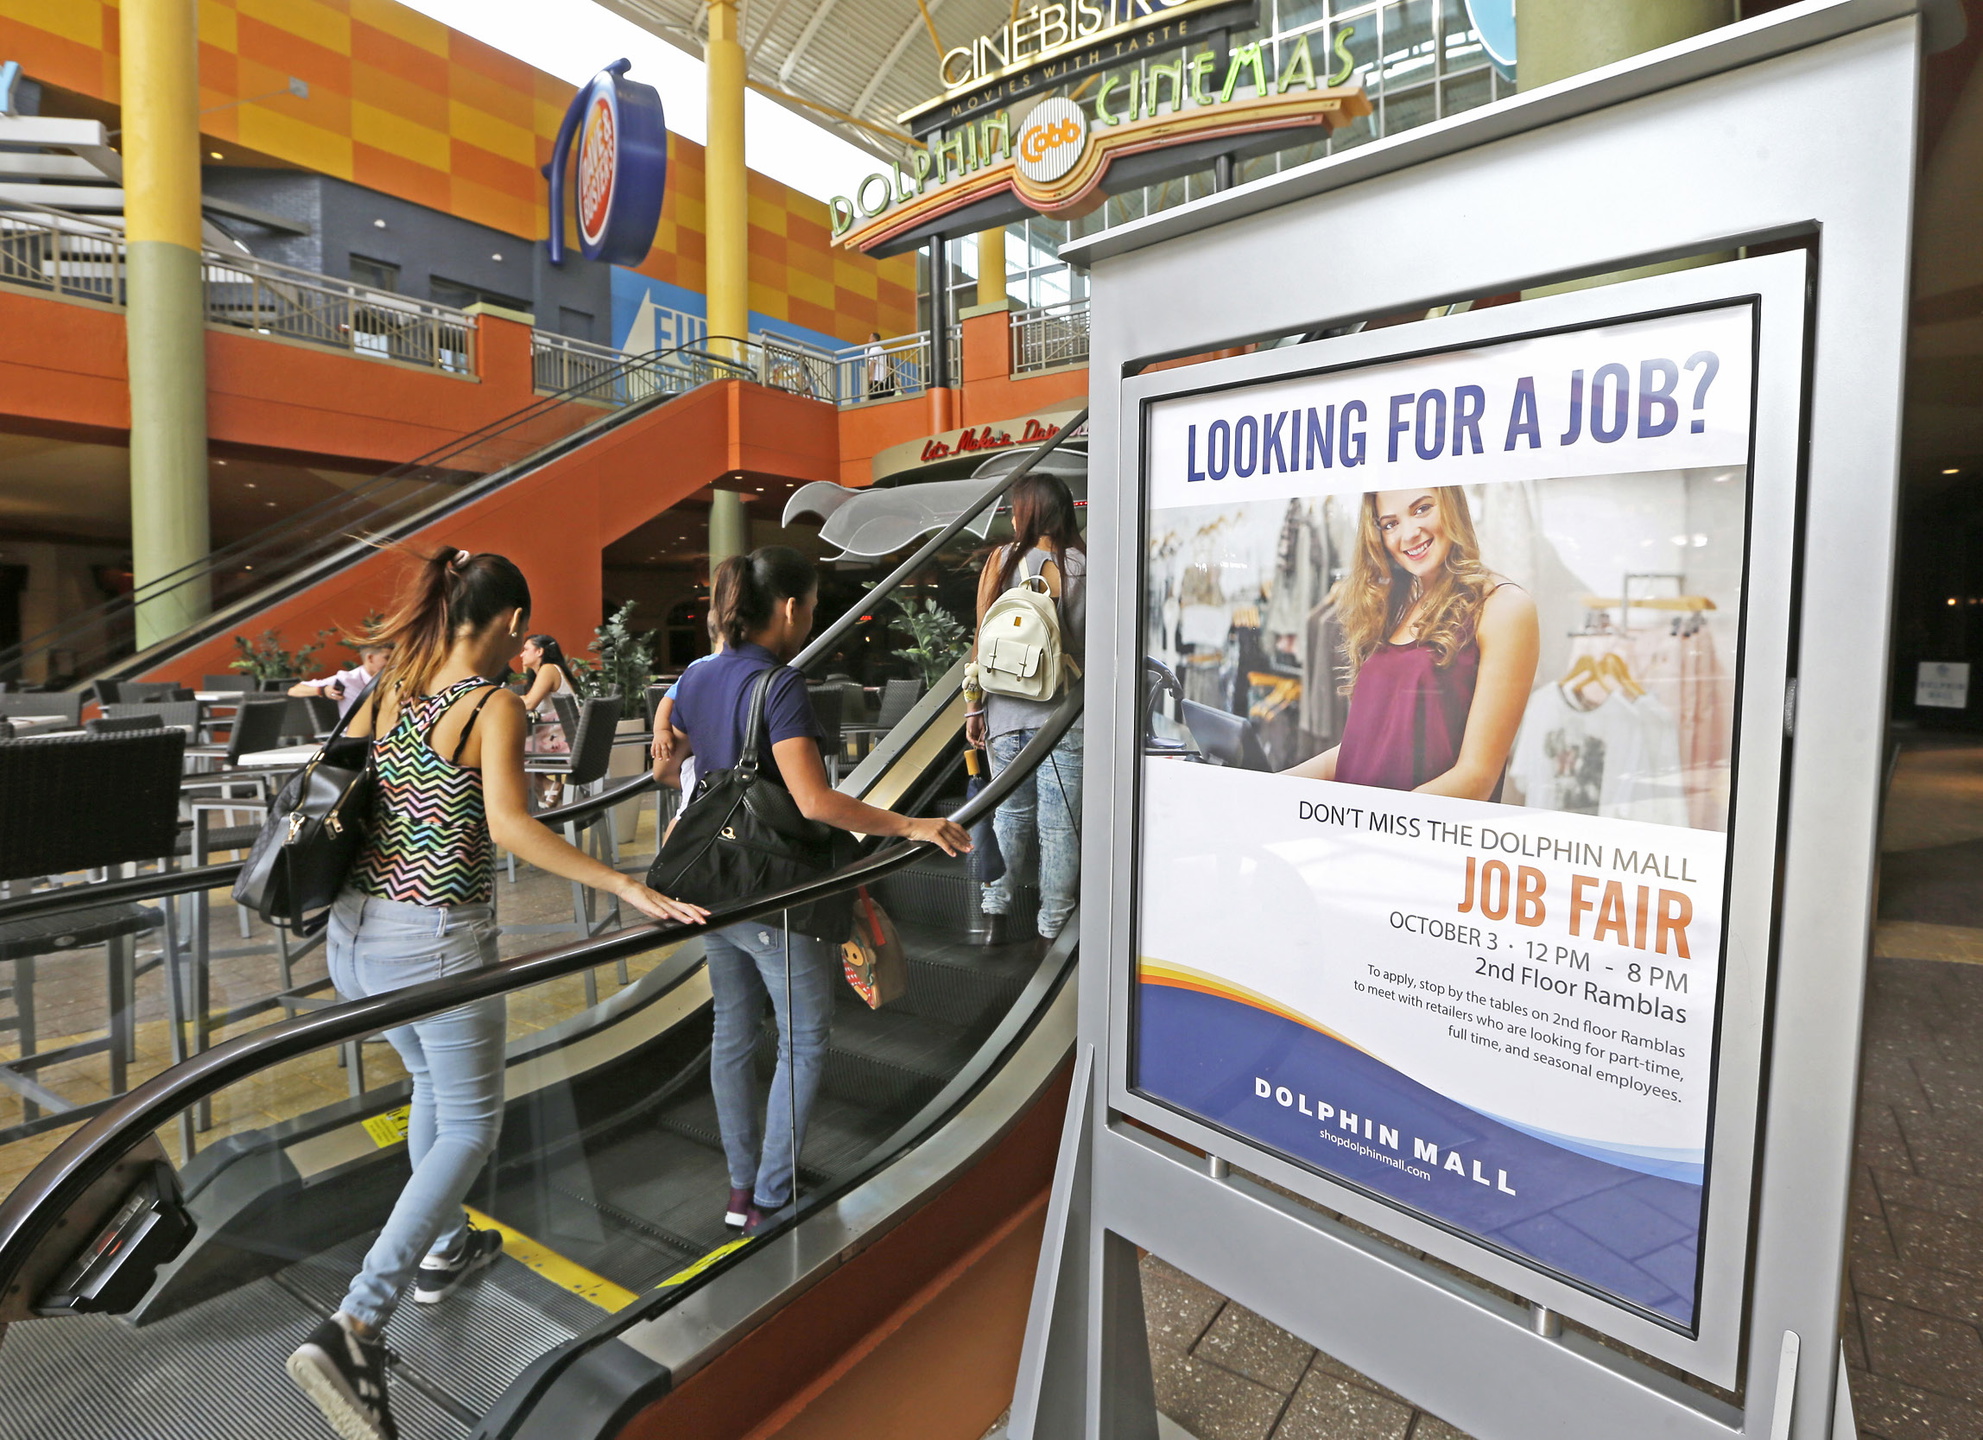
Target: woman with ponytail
447 753
763 607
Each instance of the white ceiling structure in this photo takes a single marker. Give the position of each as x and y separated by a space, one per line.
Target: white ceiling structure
869 59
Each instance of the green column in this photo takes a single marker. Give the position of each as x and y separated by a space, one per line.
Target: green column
729 527
165 308
1555 39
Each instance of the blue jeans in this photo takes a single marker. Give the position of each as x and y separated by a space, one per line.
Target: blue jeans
455 1059
747 963
1046 805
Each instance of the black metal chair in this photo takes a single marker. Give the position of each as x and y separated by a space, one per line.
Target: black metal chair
591 756
323 714
566 707
256 725
98 802
66 704
137 692
122 724
238 684
898 698
162 712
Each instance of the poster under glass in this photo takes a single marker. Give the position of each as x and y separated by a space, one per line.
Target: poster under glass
1435 792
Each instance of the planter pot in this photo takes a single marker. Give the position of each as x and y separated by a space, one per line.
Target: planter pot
627 760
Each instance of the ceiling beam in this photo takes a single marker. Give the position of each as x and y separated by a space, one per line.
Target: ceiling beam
895 52
791 61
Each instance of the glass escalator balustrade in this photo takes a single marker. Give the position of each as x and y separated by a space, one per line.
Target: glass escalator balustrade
607 1180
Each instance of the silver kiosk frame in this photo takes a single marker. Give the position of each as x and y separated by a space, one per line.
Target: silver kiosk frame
1728 142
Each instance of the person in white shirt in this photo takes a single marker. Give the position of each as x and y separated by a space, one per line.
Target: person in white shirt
881 372
347 685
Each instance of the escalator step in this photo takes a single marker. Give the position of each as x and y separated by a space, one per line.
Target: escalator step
473 1344
210 1372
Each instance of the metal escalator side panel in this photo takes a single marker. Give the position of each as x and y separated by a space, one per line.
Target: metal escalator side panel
580 1397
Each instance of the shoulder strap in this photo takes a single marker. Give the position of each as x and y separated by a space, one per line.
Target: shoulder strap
469 729
754 729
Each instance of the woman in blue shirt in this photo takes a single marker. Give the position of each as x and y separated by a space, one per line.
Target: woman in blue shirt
763 608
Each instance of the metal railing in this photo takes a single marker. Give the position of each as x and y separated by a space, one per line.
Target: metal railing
793 365
83 259
61 254
1049 337
272 299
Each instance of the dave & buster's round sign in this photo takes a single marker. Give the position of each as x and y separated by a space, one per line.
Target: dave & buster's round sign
622 164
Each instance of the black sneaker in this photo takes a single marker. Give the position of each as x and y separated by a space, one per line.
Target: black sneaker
345 1377
438 1278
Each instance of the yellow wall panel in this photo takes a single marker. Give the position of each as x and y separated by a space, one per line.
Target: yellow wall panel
79 20
398 136
295 141
486 132
810 287
310 20
216 23
855 278
767 216
768 300
404 24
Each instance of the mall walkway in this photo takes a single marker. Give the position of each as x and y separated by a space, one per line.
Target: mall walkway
1914 1316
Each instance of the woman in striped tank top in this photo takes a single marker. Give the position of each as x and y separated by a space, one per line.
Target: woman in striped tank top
419 906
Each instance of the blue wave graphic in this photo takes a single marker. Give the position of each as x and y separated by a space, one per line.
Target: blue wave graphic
1611 1226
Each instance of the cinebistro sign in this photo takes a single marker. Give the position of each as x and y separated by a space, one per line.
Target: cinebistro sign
1056 157
1047 45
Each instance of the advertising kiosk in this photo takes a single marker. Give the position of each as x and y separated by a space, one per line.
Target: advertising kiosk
1484 747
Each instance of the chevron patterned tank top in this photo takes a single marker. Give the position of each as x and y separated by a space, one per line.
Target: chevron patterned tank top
428 843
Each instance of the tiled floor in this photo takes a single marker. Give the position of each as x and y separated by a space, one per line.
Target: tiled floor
1914 1316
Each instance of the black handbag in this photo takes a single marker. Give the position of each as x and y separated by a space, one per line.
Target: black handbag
742 835
311 838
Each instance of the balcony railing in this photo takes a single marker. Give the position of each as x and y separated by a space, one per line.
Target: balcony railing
78 258
272 299
1049 337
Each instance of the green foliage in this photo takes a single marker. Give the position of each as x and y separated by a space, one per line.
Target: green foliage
265 659
358 639
625 659
937 639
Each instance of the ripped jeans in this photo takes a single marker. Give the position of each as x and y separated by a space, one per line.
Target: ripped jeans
1047 806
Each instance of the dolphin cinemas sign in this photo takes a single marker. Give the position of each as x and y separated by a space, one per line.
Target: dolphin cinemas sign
1055 156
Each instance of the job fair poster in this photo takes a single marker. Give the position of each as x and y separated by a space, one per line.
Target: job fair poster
1435 796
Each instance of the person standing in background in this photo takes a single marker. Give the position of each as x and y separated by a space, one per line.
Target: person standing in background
347 685
1044 812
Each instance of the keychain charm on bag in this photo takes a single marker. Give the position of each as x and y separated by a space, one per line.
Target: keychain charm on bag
872 957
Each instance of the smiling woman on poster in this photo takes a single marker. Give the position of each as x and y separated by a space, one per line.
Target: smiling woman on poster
1441 652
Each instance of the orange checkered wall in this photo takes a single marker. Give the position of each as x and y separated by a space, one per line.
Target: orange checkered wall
403 104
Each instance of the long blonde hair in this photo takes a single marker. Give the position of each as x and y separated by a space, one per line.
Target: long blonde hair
1372 600
448 592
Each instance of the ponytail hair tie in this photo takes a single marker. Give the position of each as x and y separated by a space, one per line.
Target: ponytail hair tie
461 558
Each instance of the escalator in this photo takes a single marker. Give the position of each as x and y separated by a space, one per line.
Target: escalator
619 1279
239 581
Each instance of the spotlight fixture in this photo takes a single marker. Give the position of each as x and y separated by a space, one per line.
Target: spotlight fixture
378 224
1953 470
216 155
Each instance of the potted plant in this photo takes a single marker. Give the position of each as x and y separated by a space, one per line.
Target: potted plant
266 660
623 665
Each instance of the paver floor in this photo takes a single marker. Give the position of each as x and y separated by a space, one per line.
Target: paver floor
1913 1323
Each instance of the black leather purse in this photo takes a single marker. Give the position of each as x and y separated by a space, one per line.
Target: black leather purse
311 838
742 835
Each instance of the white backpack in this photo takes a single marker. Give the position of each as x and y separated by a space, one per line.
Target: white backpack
1019 653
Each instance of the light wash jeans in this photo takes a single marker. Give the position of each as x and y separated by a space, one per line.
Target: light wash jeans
1046 804
746 963
455 1059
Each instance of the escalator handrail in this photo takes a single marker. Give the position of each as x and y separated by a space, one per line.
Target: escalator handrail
828 640
29 1214
159 884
